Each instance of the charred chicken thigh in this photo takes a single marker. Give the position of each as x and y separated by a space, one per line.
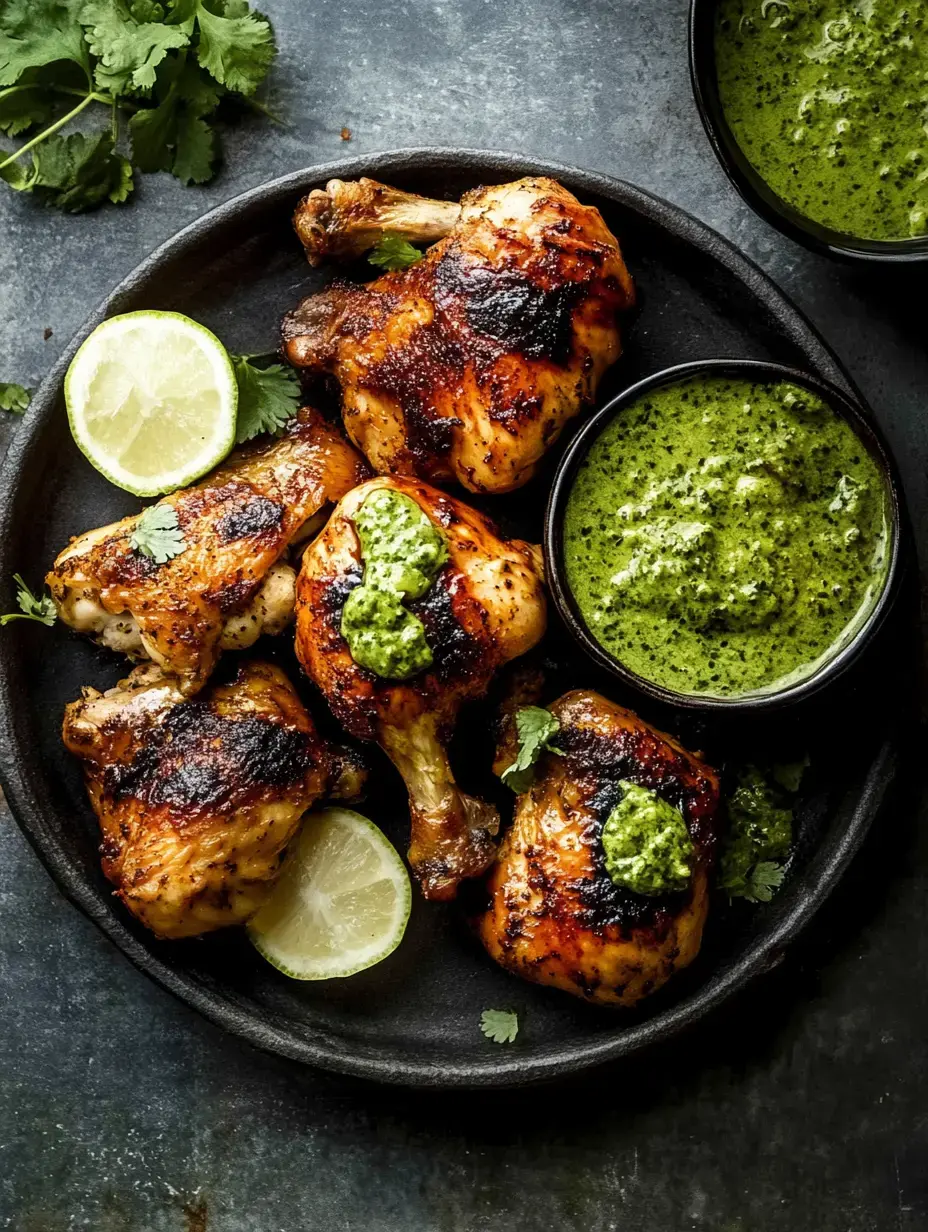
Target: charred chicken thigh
555 915
484 607
229 584
197 797
467 364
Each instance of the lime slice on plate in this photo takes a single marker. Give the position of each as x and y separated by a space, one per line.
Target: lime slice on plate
152 399
341 903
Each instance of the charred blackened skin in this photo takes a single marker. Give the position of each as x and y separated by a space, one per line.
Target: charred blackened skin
592 756
455 652
506 306
197 759
258 514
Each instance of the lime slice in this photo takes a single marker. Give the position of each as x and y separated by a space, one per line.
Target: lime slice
341 903
152 398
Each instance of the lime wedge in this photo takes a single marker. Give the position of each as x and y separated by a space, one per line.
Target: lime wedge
341 903
151 399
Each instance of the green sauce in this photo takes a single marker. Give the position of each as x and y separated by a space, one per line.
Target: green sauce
828 99
647 846
725 538
403 553
760 828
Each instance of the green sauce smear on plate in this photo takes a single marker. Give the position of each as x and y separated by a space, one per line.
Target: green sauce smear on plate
724 537
828 100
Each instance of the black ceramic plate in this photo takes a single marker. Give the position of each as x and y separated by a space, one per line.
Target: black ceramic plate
414 1019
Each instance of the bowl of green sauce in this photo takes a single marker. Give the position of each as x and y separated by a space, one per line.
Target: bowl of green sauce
818 112
725 535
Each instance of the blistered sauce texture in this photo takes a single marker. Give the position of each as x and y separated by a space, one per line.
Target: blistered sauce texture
724 537
829 102
403 554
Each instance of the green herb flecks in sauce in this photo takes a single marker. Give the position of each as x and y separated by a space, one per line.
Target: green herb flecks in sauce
828 100
646 844
724 537
403 554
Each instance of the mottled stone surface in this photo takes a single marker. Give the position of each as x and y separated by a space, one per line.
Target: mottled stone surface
802 1107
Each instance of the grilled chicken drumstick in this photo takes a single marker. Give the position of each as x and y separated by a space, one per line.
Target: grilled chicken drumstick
198 797
484 607
466 365
555 916
229 584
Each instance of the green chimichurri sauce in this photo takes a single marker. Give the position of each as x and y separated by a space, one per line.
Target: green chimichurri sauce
724 537
646 845
403 553
828 99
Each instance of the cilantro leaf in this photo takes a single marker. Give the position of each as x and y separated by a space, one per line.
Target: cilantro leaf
759 885
34 33
501 1026
129 50
392 252
236 47
536 728
157 534
78 172
32 607
14 398
25 106
267 398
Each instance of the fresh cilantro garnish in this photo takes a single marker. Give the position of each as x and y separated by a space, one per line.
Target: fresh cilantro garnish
267 398
32 607
789 774
166 66
157 534
501 1026
392 252
14 398
761 882
536 728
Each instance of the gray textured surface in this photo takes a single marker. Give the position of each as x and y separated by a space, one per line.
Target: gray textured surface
803 1106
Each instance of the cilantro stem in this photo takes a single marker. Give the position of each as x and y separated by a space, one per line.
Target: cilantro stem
265 111
95 96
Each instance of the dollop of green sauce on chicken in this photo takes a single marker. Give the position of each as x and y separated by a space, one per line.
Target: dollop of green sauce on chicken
646 844
403 553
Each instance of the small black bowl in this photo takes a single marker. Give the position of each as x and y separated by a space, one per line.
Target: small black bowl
754 370
752 187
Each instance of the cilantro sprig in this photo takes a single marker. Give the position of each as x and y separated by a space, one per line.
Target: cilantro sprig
15 398
392 252
760 831
31 607
267 397
157 534
161 68
500 1026
536 728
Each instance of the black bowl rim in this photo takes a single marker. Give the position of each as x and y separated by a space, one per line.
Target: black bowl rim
267 1031
751 185
863 425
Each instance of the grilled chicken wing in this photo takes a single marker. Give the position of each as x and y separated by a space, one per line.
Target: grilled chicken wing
197 797
555 916
467 364
485 607
229 585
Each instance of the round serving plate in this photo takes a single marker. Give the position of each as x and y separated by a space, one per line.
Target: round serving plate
414 1019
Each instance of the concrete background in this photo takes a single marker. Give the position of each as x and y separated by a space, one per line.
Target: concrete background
805 1105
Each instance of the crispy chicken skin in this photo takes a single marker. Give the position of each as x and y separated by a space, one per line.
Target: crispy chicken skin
485 607
229 585
555 916
466 365
197 797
